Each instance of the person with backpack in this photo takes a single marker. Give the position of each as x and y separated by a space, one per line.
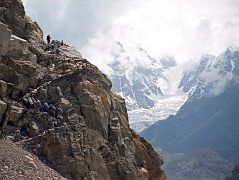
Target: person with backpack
48 38
44 107
59 113
52 111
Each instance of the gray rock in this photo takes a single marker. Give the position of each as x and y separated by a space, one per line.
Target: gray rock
3 107
17 47
4 38
13 114
3 88
33 129
64 103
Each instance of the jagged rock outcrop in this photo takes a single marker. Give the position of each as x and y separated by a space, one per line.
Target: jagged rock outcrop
12 13
92 138
235 173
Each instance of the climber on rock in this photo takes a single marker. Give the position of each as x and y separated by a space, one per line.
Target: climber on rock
52 111
59 113
17 136
57 51
24 132
48 38
37 105
27 101
44 107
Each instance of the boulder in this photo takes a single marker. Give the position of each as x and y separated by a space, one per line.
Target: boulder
63 103
144 174
13 114
3 88
28 71
17 47
13 14
11 76
4 38
12 70
33 129
54 93
3 107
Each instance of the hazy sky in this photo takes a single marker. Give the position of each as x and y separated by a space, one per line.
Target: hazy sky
185 29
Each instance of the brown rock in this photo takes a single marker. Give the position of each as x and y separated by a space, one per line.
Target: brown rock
10 75
64 103
92 139
4 38
3 88
13 114
3 107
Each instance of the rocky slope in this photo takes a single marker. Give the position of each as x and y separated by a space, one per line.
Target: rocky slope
16 163
235 173
196 165
92 139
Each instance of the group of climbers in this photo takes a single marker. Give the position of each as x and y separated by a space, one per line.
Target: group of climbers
37 106
52 110
48 38
54 45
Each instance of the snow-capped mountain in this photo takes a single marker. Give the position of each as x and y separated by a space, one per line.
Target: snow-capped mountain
135 76
149 85
209 118
212 74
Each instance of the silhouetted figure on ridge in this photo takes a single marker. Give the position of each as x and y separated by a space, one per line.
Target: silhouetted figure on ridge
48 38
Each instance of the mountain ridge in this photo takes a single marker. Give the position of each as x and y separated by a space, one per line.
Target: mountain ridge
91 139
209 117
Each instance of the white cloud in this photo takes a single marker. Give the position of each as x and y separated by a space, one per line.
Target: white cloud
216 81
75 21
185 29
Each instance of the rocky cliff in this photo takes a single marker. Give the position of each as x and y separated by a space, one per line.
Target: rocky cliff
234 174
91 139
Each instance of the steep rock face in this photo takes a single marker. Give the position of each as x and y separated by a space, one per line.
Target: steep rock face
92 138
235 173
93 131
12 13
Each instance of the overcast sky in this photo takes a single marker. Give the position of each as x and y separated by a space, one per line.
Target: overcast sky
185 29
